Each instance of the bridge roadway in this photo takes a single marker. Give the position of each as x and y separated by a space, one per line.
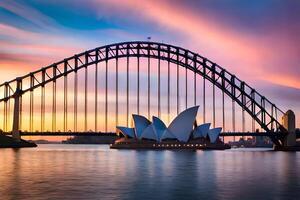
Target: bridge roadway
225 134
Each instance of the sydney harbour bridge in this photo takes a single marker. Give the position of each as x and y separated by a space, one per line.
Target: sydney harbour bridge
92 92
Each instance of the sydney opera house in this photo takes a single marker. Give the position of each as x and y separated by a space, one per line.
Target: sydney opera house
182 133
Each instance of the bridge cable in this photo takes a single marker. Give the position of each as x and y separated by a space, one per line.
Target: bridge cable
43 102
117 87
138 85
106 88
214 106
223 111
21 107
31 105
233 117
8 110
186 82
243 109
168 84
43 109
177 84
54 105
75 97
195 85
214 99
65 102
276 116
5 109
204 94
85 98
148 74
243 120
96 95
253 110
263 118
158 85
127 88
233 103
272 114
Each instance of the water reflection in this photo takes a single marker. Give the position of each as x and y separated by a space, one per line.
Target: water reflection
96 172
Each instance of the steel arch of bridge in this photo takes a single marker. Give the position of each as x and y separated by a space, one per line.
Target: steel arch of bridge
240 92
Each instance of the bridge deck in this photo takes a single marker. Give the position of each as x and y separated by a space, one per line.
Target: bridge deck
225 134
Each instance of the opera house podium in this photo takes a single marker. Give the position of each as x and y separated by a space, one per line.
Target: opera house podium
180 134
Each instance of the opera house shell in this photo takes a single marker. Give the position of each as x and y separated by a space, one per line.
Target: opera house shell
180 133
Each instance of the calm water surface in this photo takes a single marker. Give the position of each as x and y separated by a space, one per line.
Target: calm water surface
96 172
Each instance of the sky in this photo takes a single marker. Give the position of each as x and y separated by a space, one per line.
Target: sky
257 40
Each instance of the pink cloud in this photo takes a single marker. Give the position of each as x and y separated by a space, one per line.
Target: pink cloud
249 56
27 51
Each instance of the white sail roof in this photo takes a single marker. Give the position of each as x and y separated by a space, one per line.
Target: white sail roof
201 131
182 125
167 135
126 131
140 124
180 128
159 127
213 134
149 133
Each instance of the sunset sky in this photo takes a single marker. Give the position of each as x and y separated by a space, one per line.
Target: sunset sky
258 40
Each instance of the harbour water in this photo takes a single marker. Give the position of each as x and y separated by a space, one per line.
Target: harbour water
97 172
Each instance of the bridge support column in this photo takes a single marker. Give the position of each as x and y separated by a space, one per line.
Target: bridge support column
16 116
288 121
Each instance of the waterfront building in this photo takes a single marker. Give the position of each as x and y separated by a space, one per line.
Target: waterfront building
181 129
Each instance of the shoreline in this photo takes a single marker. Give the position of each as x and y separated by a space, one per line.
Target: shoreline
9 142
